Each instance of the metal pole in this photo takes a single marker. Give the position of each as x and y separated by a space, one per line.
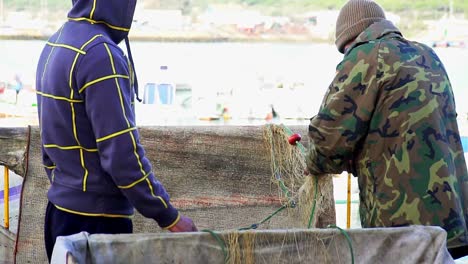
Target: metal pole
6 198
348 204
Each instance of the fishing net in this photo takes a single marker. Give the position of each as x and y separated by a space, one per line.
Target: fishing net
296 190
223 177
219 176
7 246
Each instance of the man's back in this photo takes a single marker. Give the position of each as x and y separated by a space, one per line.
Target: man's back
389 117
411 167
91 149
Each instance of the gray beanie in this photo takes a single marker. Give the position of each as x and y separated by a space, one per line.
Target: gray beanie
355 16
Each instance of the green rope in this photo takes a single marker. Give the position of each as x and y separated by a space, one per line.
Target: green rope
303 150
299 144
284 188
256 225
291 203
348 239
312 213
281 184
221 243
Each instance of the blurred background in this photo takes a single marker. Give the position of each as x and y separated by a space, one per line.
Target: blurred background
227 62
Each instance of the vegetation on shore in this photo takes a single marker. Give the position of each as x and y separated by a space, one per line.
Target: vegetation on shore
301 5
412 13
283 7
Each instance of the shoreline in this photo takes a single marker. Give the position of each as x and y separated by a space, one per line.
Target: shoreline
198 38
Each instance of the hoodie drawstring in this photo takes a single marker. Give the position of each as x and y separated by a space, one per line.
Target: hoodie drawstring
129 52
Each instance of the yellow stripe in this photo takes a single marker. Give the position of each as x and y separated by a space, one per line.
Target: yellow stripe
91 214
152 193
92 10
117 84
132 80
145 176
102 79
45 68
98 22
50 54
115 134
71 72
69 147
59 97
53 176
151 188
67 47
75 133
76 58
134 183
85 178
174 223
136 154
139 161
111 58
91 40
50 167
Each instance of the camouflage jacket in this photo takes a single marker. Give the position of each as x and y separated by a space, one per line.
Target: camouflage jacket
389 118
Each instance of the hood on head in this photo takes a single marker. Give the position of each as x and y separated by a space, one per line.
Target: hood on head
117 15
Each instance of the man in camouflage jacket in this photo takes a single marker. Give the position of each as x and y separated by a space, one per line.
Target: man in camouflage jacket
389 118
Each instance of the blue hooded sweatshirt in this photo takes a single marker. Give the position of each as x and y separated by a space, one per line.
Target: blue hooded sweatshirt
91 148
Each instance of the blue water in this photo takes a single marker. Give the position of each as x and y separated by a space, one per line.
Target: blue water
464 141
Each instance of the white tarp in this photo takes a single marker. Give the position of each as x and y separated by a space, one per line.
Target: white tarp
416 244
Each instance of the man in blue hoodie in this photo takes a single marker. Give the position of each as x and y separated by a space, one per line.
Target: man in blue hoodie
91 149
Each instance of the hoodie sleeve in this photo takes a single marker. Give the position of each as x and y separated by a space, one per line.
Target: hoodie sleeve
343 118
49 166
103 81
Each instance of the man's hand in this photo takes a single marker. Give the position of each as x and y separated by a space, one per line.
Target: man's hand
185 224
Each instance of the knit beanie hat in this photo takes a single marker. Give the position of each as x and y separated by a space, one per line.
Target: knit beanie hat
355 16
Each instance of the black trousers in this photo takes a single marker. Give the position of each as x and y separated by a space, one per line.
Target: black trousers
60 223
458 252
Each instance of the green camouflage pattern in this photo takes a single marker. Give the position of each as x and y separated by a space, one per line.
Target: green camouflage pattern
389 117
